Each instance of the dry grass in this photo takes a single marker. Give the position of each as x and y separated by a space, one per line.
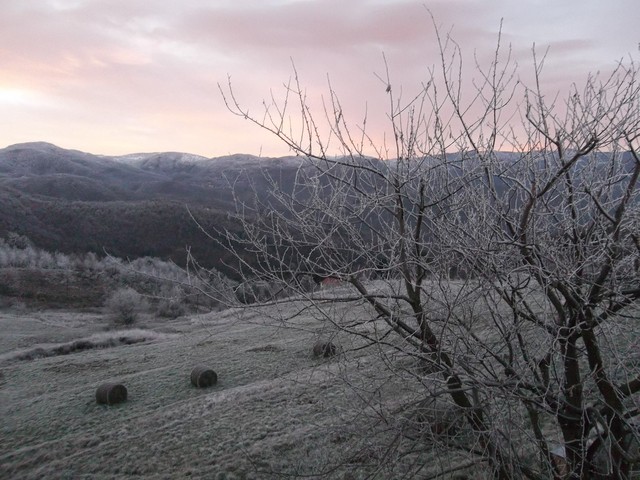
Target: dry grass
96 341
275 410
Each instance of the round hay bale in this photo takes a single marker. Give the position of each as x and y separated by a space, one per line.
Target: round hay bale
324 349
203 377
111 393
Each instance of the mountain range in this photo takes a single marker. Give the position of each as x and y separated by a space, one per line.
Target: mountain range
144 204
128 206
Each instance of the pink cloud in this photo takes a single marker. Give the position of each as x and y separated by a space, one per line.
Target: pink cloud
133 72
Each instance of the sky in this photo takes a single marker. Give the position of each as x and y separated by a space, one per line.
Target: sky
125 76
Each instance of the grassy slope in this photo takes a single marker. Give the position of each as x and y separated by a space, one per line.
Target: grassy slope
275 408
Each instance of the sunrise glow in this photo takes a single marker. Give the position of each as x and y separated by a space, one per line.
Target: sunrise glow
115 78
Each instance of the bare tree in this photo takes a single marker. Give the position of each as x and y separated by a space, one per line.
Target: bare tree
496 241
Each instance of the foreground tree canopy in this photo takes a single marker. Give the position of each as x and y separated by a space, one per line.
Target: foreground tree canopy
496 239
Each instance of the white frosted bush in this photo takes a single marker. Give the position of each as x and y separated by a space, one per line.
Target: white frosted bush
172 302
125 304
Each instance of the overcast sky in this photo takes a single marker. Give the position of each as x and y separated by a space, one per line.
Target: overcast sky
125 76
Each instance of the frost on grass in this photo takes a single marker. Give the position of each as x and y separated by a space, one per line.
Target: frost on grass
98 340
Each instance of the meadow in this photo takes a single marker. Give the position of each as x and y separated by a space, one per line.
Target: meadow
277 410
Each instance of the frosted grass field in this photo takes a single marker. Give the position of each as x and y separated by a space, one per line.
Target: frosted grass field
276 412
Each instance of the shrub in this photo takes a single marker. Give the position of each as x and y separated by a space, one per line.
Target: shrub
258 291
172 303
125 304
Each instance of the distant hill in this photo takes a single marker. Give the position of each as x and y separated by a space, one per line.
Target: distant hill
137 205
132 205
